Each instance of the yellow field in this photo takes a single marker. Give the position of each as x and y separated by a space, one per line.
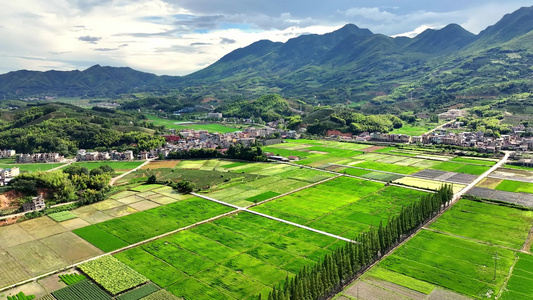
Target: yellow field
426 183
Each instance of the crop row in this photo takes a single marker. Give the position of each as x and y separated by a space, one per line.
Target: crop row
82 290
112 275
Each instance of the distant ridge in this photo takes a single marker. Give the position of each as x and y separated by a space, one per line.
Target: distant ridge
345 64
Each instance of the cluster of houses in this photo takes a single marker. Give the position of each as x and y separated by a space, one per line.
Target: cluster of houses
84 155
39 158
194 139
7 153
479 140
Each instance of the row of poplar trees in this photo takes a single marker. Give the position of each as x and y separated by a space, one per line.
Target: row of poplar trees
328 277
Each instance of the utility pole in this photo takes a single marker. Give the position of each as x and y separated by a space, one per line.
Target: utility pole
495 264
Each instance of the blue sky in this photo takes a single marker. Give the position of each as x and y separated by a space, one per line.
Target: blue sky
177 37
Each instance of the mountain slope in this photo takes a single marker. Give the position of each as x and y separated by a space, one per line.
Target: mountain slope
95 81
348 65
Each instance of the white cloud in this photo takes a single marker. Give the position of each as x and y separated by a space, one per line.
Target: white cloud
179 37
371 13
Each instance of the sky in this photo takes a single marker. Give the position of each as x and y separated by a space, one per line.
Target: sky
178 37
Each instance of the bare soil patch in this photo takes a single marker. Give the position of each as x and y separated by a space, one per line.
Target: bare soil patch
372 148
161 164
366 291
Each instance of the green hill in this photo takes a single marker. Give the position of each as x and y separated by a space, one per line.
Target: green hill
349 65
65 128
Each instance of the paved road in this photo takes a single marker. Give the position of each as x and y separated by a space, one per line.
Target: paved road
440 126
458 195
273 218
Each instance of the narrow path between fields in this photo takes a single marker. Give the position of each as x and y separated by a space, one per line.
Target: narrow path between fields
113 180
115 251
440 126
273 218
504 285
62 166
529 241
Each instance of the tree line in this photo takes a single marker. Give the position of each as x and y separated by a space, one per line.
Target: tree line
329 276
237 151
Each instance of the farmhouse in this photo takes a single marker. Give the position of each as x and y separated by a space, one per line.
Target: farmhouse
36 203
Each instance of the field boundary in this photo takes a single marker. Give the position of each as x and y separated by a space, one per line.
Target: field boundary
454 200
361 178
117 250
274 218
528 242
114 179
504 285
403 175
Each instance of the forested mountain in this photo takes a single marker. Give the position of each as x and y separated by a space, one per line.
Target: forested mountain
95 81
66 128
348 66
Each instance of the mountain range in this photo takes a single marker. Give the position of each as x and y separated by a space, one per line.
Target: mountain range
349 65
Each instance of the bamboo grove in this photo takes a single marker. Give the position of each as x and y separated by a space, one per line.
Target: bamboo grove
328 277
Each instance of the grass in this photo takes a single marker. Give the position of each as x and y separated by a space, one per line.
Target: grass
203 179
515 186
387 167
156 221
518 167
499 225
146 187
473 170
451 262
62 216
116 165
262 197
400 279
448 166
520 285
233 257
100 238
173 124
414 130
31 167
158 271
474 161
343 206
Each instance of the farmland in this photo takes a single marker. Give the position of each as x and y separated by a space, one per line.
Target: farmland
343 206
502 226
153 222
173 124
116 165
234 257
239 255
454 257
113 275
520 285
515 186
32 167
